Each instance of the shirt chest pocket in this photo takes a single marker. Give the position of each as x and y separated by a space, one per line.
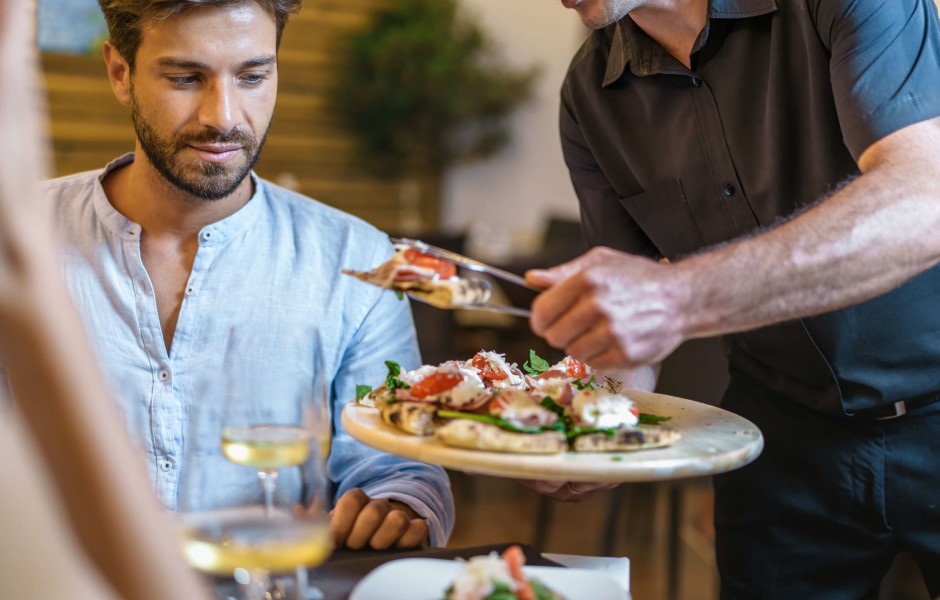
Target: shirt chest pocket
664 215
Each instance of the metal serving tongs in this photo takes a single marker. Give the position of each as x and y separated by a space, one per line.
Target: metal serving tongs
472 265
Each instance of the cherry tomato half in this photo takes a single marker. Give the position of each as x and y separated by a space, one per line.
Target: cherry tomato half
487 371
444 269
435 383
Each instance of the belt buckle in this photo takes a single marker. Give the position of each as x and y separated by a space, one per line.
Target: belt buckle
900 408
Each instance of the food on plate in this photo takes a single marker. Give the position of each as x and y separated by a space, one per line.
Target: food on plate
495 577
625 440
431 279
416 418
464 433
487 403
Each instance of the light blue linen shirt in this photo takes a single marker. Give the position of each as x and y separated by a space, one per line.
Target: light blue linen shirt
272 269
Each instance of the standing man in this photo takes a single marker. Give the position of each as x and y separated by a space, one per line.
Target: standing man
172 247
783 156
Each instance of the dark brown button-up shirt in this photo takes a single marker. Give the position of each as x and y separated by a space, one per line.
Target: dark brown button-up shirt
782 98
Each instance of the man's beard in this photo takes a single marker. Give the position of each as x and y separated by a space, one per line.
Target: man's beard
215 180
610 12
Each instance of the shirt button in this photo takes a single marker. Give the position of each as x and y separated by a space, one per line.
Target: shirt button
166 466
206 235
696 82
728 189
164 375
189 290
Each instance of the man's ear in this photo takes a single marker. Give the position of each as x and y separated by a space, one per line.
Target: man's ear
119 73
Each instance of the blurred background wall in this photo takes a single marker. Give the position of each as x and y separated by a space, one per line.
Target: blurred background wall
516 191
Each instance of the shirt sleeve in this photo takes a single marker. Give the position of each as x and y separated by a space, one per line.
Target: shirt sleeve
885 65
604 221
386 333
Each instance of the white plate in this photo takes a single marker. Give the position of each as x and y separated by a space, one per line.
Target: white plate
429 578
713 441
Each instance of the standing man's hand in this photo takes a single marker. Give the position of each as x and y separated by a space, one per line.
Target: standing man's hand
611 309
567 491
358 521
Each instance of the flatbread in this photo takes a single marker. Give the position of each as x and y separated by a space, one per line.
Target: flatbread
416 418
464 433
628 439
442 293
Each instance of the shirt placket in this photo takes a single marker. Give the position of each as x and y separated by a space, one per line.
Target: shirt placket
725 207
165 409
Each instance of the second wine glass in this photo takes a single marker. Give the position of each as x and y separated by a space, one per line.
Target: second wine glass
268 426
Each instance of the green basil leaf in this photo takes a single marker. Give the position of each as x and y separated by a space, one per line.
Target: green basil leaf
362 390
392 381
536 365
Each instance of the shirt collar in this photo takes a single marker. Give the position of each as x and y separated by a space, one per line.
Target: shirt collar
211 235
631 46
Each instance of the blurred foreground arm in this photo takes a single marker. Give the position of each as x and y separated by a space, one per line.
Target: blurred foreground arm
57 386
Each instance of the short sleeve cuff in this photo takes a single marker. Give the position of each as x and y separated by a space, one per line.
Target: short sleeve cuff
891 117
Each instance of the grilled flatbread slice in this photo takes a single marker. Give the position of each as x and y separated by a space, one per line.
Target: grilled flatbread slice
427 278
416 418
464 433
626 439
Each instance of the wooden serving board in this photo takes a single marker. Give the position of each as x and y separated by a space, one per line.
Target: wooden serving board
713 441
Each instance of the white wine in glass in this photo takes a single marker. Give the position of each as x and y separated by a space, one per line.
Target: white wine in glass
258 425
221 542
266 447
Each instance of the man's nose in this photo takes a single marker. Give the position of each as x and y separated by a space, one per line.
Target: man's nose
220 107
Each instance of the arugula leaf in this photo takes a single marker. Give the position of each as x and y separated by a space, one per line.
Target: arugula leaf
576 431
362 390
392 382
542 591
559 410
588 385
501 423
501 591
400 294
536 365
648 419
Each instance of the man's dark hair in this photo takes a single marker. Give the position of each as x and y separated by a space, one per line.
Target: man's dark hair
128 18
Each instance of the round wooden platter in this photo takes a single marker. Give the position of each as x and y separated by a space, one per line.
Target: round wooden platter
713 441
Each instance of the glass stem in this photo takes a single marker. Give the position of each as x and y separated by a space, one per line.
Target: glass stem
257 587
300 590
268 479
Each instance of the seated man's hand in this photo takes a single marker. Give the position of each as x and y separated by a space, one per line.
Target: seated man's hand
358 521
568 491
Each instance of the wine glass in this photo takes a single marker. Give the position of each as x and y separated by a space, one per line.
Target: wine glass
253 503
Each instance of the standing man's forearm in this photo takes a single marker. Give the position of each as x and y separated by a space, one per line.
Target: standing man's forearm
871 236
616 310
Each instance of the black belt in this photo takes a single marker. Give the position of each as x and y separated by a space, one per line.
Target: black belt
893 411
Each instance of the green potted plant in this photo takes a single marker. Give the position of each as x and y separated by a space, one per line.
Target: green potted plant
422 89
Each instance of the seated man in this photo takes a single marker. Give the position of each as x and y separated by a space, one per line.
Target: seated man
171 248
